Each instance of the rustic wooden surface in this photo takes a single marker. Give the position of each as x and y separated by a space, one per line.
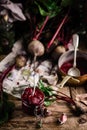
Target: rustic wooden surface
23 121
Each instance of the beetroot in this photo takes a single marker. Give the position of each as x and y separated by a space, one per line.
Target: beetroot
31 101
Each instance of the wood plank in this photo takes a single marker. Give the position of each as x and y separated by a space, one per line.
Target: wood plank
23 121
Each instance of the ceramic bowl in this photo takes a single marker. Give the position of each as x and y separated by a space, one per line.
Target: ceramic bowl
67 58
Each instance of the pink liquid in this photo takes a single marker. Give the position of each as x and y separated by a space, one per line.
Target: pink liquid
81 65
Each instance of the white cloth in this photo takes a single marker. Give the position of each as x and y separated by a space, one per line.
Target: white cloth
14 10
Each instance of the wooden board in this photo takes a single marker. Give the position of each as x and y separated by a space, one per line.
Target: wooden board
23 121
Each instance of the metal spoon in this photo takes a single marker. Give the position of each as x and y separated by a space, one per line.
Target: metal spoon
74 71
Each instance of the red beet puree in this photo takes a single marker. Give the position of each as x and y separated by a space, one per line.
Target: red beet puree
81 65
30 101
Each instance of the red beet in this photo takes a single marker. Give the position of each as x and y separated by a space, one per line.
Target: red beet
30 101
33 100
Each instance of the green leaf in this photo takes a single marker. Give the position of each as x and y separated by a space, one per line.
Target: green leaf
42 11
48 8
47 90
66 3
47 103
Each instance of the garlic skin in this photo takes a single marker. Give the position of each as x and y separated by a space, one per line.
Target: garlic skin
47 112
62 119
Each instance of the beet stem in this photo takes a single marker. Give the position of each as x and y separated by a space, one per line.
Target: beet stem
67 99
38 35
2 78
57 31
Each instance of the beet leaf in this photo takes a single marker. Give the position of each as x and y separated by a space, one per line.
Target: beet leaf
47 9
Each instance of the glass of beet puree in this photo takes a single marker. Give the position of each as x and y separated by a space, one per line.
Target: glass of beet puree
81 65
32 103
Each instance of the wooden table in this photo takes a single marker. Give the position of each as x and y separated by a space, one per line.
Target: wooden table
23 121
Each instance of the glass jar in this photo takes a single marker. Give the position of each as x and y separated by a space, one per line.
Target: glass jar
32 103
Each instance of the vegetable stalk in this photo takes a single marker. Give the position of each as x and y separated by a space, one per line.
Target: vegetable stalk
1 80
40 31
57 31
49 93
48 9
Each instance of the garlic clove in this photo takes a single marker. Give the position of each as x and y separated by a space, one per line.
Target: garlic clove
62 119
